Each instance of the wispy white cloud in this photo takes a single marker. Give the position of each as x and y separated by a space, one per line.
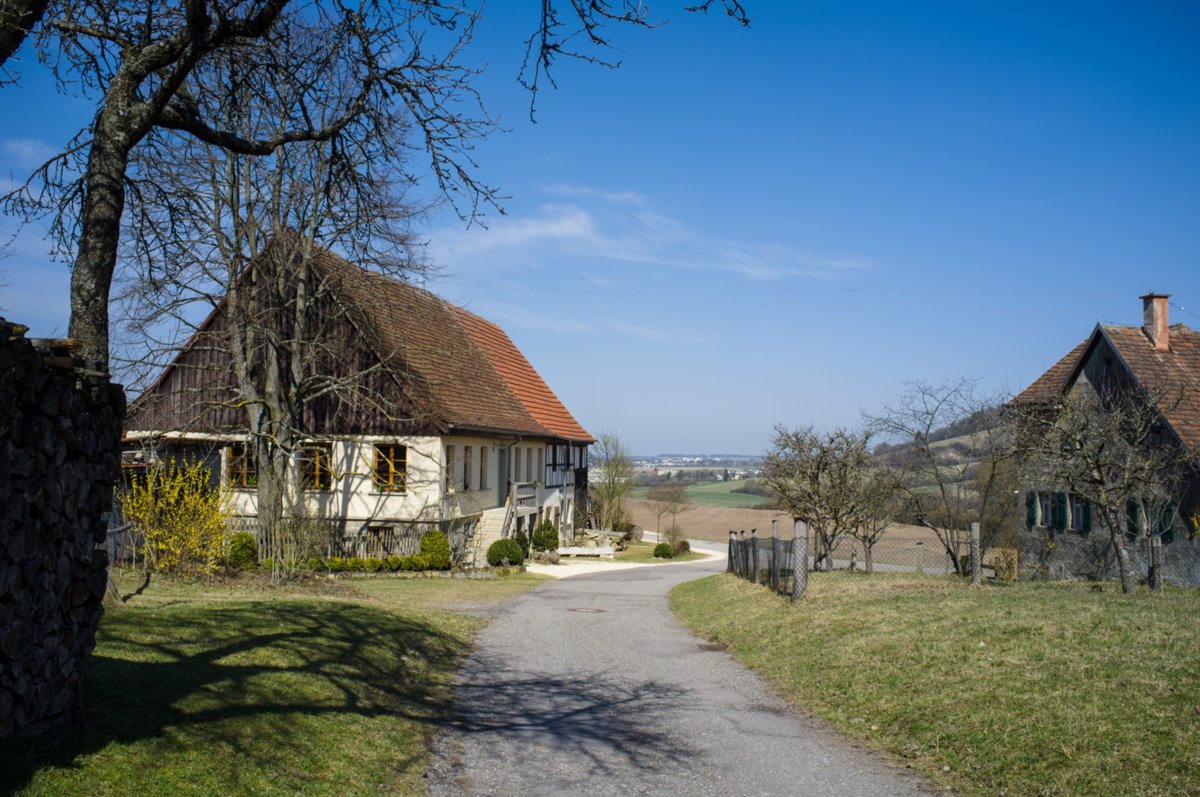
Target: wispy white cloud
614 197
25 153
608 230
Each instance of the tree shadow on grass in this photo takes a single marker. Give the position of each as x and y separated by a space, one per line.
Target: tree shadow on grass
262 682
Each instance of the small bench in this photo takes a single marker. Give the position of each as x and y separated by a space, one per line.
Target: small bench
605 552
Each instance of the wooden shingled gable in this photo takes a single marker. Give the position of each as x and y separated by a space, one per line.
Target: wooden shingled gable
443 366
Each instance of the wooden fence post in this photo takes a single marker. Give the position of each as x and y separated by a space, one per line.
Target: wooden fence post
774 563
754 555
976 565
732 553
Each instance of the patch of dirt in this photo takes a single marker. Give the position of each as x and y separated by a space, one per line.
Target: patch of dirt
714 523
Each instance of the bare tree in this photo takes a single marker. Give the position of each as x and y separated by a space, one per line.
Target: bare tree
669 498
611 479
232 257
1114 451
817 477
878 508
939 435
134 58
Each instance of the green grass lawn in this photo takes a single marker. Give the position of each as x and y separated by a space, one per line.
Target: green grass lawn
244 688
716 494
1019 689
644 552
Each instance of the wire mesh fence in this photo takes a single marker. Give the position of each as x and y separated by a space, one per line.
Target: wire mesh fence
772 561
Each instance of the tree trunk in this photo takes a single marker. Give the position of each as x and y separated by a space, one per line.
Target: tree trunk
1124 564
100 232
869 554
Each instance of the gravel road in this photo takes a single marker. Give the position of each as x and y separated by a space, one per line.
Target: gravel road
588 685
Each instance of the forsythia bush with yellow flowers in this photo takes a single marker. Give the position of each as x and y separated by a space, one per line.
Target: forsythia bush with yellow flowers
180 517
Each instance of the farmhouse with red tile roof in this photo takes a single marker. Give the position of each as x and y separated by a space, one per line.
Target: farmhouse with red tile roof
1161 359
454 428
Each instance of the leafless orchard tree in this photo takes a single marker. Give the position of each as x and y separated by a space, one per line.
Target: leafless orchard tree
878 504
134 58
1114 451
669 498
939 476
611 481
817 477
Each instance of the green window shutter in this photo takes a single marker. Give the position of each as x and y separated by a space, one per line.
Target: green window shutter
1060 511
1133 516
1167 524
1087 516
1030 509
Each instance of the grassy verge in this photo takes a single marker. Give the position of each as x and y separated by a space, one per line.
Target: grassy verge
644 552
245 689
1018 689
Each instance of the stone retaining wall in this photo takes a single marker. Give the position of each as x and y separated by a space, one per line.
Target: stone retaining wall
60 426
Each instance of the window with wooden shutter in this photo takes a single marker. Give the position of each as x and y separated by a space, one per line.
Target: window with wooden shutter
241 467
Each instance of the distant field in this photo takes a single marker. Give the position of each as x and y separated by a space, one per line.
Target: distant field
717 494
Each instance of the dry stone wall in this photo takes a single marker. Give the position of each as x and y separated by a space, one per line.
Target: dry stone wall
60 426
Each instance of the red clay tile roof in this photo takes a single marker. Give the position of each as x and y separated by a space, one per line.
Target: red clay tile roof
1052 383
521 379
1177 372
472 372
448 368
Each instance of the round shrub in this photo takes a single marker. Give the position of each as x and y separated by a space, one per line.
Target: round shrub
243 551
682 546
501 551
393 563
315 565
375 565
355 565
436 550
268 564
663 551
545 536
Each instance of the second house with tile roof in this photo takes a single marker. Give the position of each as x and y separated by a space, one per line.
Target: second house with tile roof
454 428
1154 359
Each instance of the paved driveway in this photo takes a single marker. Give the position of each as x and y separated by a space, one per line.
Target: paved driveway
588 685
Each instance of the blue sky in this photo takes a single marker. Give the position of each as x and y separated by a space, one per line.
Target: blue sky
784 224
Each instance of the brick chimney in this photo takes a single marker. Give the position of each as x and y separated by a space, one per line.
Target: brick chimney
1154 320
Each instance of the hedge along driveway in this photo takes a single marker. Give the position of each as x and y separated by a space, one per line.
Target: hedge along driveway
200 689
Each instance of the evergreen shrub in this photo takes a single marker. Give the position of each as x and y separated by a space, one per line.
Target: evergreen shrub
506 549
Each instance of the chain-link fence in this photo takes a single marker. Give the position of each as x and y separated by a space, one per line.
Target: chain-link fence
762 559
776 563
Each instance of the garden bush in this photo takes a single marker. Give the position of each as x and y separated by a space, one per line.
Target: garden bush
435 548
316 565
663 551
682 546
180 517
355 565
375 565
411 563
545 536
507 549
393 563
520 539
243 551
268 564
336 564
